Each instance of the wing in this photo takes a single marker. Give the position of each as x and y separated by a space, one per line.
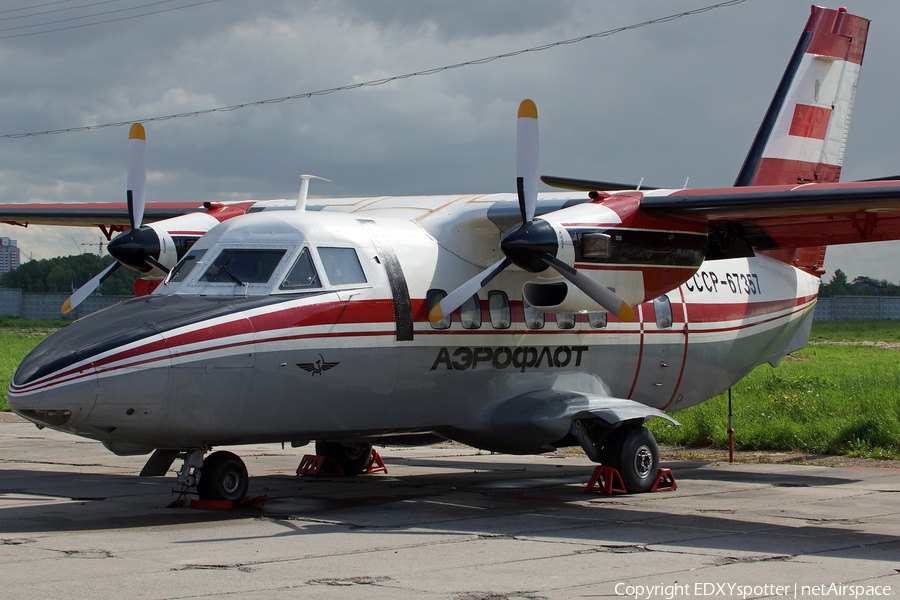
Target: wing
92 214
773 217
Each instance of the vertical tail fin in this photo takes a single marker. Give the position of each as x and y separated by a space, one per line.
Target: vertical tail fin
804 133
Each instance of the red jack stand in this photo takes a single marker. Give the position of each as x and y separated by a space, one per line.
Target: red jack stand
315 466
376 465
606 480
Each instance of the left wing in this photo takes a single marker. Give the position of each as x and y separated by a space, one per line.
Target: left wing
92 214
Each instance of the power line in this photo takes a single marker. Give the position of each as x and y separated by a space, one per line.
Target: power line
155 12
377 82
55 10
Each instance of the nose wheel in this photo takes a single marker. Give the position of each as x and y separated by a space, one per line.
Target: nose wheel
223 476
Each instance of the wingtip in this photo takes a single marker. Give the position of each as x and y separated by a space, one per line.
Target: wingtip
528 109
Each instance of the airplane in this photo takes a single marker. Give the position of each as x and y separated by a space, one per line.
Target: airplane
513 322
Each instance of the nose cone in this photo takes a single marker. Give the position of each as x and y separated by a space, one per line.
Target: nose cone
133 247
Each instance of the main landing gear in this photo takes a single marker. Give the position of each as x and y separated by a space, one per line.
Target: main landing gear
351 457
630 449
633 452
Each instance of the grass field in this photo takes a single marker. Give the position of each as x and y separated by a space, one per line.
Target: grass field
829 398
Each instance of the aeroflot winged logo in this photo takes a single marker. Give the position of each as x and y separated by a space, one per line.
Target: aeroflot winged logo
318 367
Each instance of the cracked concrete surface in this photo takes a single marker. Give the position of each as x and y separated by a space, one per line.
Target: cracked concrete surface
445 523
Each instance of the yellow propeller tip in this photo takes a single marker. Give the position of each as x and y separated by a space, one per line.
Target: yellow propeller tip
626 313
137 132
528 109
66 307
435 314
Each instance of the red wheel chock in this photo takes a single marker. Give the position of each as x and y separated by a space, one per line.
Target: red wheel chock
665 482
376 465
315 466
606 480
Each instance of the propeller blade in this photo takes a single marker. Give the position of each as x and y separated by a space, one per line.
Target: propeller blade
155 263
87 289
600 294
137 174
527 150
457 297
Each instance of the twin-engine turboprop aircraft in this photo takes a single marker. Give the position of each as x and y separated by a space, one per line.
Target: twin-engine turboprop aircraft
512 322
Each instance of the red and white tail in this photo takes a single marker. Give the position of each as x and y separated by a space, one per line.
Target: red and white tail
804 133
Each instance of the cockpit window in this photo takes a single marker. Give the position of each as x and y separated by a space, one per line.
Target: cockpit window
187 264
341 266
303 274
243 266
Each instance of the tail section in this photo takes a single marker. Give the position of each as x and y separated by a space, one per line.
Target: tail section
804 133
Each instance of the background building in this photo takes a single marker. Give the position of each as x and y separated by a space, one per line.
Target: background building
9 255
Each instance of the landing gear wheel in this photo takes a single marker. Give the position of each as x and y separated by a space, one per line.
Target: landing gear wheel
223 477
352 458
633 452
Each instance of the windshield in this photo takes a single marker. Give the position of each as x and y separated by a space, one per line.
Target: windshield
243 266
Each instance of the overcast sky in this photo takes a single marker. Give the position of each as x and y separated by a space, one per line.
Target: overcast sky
663 102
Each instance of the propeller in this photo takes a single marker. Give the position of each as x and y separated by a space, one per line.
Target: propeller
533 245
139 247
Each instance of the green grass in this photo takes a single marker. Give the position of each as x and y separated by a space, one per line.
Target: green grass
31 323
825 399
14 345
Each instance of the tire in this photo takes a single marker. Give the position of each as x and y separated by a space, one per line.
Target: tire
633 452
351 458
223 477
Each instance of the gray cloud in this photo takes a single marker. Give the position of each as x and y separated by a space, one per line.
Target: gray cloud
666 102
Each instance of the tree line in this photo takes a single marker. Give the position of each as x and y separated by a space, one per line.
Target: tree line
860 286
65 274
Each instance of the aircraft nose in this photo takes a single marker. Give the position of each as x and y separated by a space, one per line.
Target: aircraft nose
54 386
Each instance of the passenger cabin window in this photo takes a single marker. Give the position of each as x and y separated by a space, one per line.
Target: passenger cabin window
498 303
432 297
470 313
534 318
663 310
187 264
302 275
341 266
565 321
598 320
243 265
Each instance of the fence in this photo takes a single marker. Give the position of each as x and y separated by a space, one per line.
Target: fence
854 308
15 303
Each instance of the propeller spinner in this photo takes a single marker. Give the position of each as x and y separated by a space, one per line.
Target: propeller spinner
533 245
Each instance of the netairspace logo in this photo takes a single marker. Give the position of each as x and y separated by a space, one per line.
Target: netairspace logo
734 590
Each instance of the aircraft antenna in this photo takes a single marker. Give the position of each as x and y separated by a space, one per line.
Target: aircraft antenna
686 181
640 183
304 190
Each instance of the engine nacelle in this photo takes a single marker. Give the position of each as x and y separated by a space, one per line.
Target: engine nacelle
559 296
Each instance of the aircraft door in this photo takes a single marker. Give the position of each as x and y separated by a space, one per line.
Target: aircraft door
664 332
